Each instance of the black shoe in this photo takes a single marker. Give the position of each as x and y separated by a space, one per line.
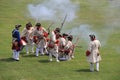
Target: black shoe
16 60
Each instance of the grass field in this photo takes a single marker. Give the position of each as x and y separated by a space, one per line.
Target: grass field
94 12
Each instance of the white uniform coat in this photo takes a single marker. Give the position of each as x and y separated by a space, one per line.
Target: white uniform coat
62 42
94 49
28 34
68 45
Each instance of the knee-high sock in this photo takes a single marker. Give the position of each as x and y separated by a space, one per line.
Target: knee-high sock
56 56
50 56
27 49
97 66
41 50
37 52
32 48
13 54
18 52
17 55
91 66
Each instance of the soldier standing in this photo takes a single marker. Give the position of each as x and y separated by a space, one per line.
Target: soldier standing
16 42
93 55
27 36
40 34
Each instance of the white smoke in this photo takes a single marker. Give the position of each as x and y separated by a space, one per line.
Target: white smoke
83 31
114 3
112 19
110 25
53 10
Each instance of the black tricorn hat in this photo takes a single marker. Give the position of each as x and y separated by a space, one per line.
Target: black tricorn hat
70 37
38 24
18 25
92 35
57 29
29 24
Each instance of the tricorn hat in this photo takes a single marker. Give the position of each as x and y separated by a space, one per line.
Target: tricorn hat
18 25
57 29
38 25
70 37
29 24
92 36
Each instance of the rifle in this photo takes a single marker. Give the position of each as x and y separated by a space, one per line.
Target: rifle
74 45
78 46
76 41
48 29
63 22
69 32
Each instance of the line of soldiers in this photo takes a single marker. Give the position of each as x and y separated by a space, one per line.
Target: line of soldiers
52 43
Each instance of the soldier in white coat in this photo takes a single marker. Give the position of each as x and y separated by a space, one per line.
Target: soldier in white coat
27 36
68 47
40 45
62 43
94 56
39 38
53 44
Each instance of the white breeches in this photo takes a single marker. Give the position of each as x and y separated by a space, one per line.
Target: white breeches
30 48
16 54
53 52
41 50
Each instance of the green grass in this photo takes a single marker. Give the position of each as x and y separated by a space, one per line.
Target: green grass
39 68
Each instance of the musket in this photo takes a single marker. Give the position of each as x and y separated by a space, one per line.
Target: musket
50 26
69 32
79 46
63 22
74 45
76 41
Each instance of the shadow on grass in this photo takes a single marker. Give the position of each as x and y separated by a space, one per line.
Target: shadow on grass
83 70
44 61
7 60
29 55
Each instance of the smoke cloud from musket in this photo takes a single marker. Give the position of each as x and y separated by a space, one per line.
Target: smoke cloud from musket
111 24
83 31
53 10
